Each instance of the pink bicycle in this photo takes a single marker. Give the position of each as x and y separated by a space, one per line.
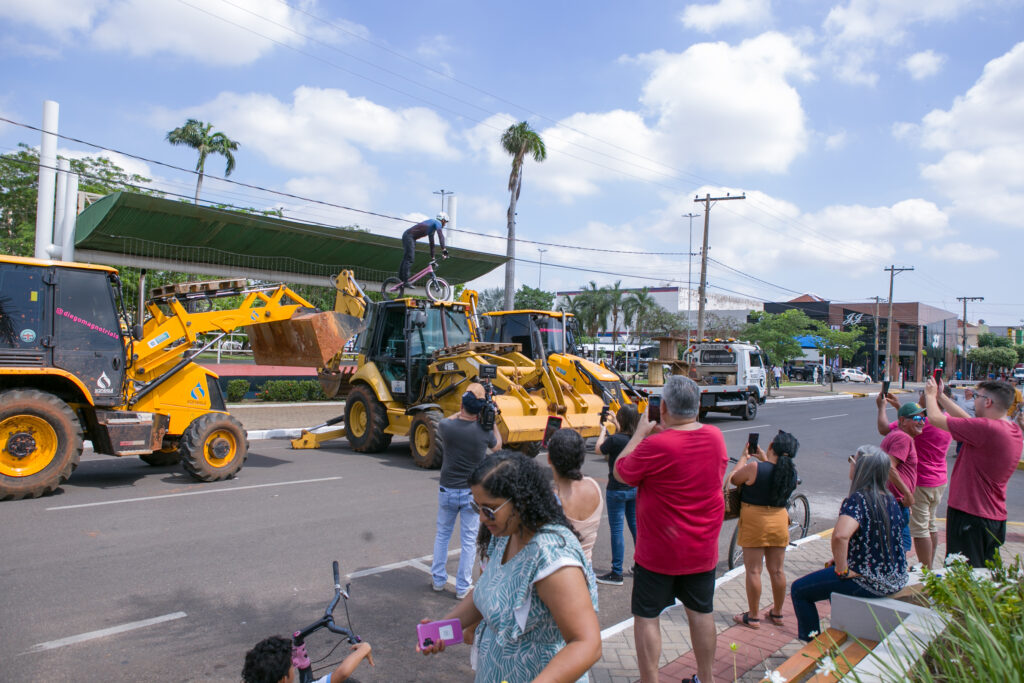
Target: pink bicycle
437 288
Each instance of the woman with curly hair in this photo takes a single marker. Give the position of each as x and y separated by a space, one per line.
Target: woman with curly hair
534 606
580 496
768 481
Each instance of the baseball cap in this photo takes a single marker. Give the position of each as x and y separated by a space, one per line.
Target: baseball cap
910 409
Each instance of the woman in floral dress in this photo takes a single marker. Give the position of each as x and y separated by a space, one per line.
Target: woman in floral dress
534 607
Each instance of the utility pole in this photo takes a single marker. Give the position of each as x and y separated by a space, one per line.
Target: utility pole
965 299
443 192
874 362
892 270
540 269
702 292
689 275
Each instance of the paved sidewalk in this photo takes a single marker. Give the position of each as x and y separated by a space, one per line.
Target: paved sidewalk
756 650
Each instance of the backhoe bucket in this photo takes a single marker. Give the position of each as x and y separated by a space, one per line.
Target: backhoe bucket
306 340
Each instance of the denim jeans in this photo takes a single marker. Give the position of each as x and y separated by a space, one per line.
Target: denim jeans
621 505
450 503
816 586
905 534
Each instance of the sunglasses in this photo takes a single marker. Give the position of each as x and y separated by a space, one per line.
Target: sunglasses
917 418
486 511
852 459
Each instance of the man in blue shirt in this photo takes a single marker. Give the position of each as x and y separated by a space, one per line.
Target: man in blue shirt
426 229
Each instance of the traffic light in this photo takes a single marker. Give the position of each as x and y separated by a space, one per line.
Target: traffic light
942 364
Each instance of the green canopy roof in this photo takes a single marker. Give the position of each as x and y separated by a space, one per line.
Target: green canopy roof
137 230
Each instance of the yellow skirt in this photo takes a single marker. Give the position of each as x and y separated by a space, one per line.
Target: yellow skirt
761 526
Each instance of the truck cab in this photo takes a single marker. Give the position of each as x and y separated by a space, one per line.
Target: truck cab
730 362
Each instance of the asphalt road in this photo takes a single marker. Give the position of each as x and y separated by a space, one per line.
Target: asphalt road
217 567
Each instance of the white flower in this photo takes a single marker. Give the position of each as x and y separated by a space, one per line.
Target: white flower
812 634
828 667
954 557
774 676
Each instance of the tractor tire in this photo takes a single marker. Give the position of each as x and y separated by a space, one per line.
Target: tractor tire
366 418
425 441
750 412
40 443
165 458
530 449
213 447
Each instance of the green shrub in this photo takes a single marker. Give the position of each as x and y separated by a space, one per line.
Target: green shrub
237 389
284 390
314 392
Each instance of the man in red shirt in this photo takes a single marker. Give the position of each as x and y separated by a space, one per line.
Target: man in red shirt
677 465
976 511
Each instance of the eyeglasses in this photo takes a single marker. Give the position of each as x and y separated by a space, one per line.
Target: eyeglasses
488 512
977 396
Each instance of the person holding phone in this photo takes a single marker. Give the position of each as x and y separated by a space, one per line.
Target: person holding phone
899 444
621 498
677 465
768 480
534 609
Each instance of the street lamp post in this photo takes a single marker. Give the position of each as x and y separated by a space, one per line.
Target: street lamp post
540 269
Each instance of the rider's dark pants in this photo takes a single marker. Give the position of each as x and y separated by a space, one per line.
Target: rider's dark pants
408 252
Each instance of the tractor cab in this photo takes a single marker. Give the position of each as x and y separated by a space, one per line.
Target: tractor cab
541 333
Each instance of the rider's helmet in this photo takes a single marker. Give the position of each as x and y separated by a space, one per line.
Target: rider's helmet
442 217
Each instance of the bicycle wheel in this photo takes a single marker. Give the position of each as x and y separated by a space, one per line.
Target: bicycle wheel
799 516
438 289
735 552
392 288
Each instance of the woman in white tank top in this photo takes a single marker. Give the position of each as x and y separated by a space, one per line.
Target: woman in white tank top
580 496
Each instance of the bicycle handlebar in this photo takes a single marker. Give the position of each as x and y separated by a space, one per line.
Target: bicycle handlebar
327 620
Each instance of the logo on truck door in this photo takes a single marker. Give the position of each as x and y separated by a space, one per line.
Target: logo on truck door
103 385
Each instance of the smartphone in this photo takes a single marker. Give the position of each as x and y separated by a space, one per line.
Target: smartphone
937 375
752 442
654 408
604 414
553 425
448 631
885 387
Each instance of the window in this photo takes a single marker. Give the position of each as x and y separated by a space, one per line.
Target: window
21 301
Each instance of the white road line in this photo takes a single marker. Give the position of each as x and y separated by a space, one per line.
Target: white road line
415 562
829 417
743 429
103 633
190 493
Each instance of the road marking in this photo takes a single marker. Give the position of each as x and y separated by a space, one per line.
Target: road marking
829 417
190 493
416 562
103 633
743 429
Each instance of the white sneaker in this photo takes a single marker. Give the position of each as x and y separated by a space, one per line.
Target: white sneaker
459 595
437 587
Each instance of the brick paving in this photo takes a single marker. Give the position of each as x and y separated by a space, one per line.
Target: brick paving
756 650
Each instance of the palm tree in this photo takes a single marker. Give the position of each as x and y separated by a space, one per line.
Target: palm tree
614 295
594 310
637 307
491 299
196 134
518 141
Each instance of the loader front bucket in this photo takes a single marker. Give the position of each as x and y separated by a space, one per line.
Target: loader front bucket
307 339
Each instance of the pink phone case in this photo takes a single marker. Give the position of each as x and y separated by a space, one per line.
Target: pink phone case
449 631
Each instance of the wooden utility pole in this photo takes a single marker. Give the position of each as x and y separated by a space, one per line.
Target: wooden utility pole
888 333
965 299
874 360
702 291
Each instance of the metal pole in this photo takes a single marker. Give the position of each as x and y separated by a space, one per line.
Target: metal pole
540 269
47 179
689 275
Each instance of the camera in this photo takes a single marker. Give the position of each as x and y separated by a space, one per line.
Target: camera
489 413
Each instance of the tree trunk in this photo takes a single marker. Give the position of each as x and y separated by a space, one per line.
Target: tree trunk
199 186
510 251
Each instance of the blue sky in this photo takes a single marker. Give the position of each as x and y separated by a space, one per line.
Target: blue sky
864 133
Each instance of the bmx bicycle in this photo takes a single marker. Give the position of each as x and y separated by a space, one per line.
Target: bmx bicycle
437 288
299 656
799 510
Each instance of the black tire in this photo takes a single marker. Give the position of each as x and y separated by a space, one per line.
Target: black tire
426 445
161 458
438 289
735 552
750 412
388 284
366 418
40 443
213 447
530 449
799 510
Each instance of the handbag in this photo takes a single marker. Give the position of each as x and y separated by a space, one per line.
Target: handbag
732 501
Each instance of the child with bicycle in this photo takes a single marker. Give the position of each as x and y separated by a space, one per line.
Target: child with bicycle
270 661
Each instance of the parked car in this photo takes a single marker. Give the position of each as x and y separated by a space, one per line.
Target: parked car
854 375
1018 375
806 373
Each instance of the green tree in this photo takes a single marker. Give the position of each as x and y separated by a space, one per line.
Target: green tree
987 339
1020 352
593 310
636 308
531 298
518 141
993 357
197 135
615 296
836 343
492 299
776 334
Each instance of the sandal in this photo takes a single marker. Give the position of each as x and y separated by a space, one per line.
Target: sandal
776 619
747 620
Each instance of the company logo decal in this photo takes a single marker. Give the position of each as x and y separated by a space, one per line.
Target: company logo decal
103 385
853 319
86 323
198 392
27 336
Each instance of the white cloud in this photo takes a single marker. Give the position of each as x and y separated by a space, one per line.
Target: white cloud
853 31
708 18
959 252
836 141
921 65
208 32
982 171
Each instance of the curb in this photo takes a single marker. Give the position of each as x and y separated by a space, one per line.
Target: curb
808 399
